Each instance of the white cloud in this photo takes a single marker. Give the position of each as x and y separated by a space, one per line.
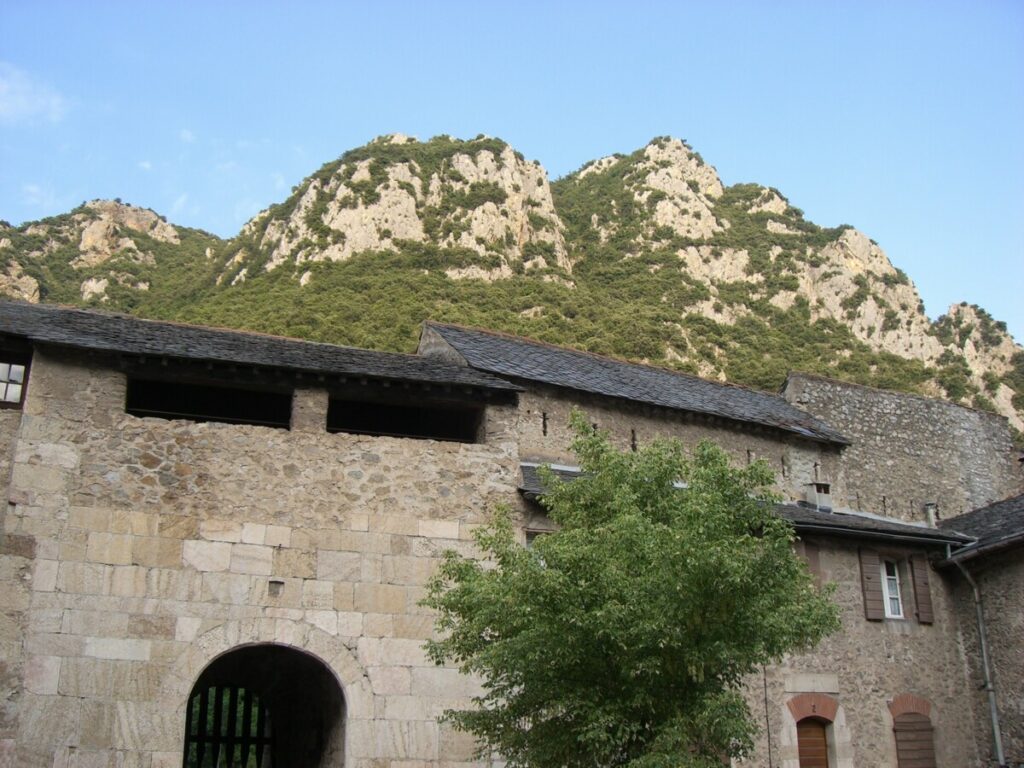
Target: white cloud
186 136
23 99
179 204
38 196
278 180
145 165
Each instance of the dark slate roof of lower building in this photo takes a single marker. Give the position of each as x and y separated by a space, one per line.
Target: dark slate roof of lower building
536 361
804 518
995 526
109 332
859 525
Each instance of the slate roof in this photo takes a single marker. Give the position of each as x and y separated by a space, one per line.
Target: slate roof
536 361
995 526
803 518
108 332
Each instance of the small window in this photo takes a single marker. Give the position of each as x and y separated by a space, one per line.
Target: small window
203 402
13 374
891 589
424 421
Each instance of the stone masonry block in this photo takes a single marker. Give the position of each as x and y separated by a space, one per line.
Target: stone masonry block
156 551
339 566
44 575
207 555
221 530
253 533
439 529
117 648
380 598
42 674
252 558
294 563
109 548
278 536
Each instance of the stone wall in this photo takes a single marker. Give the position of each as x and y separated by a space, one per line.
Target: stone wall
137 551
1000 577
156 544
795 461
863 667
908 450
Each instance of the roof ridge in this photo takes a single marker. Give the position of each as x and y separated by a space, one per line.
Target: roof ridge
213 328
608 358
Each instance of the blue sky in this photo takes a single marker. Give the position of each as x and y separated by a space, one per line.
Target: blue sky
903 119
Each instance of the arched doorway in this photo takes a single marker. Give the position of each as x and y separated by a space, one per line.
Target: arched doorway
265 706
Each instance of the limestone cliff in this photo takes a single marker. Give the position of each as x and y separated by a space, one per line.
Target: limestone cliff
479 200
646 256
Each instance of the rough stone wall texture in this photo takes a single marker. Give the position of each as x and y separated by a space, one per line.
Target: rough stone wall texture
138 550
154 544
795 461
864 666
908 450
1000 578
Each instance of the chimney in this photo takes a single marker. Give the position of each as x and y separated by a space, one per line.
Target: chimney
931 513
819 496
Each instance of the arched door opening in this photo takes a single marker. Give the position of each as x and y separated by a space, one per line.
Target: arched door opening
265 706
812 742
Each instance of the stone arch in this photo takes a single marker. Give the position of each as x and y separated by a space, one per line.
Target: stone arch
300 636
823 708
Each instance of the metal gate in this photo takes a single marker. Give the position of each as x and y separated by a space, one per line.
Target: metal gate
227 727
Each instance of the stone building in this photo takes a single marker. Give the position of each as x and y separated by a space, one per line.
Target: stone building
219 540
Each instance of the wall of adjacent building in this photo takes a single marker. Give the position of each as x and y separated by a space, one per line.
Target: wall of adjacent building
908 450
1000 578
864 667
796 461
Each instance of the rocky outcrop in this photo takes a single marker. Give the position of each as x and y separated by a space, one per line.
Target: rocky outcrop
478 196
699 265
16 284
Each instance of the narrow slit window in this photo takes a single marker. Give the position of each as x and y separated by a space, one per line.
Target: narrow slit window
424 421
13 374
201 402
891 588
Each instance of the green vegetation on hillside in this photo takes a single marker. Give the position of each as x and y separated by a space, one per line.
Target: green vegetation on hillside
630 293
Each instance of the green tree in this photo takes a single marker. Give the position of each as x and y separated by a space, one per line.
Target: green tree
623 639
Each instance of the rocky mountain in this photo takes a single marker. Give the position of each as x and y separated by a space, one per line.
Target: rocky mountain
646 256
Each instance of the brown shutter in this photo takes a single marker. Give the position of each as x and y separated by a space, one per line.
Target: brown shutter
871 585
922 593
915 741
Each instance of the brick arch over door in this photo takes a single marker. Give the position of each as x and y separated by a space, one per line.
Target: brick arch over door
913 731
327 649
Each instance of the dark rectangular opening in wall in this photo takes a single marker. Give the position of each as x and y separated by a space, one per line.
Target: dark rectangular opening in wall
204 402
425 421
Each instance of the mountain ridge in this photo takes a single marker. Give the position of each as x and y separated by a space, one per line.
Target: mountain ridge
646 256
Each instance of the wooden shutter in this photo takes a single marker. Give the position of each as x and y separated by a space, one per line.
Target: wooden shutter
812 743
922 592
871 585
915 742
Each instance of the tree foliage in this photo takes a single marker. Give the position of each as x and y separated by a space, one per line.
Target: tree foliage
623 639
